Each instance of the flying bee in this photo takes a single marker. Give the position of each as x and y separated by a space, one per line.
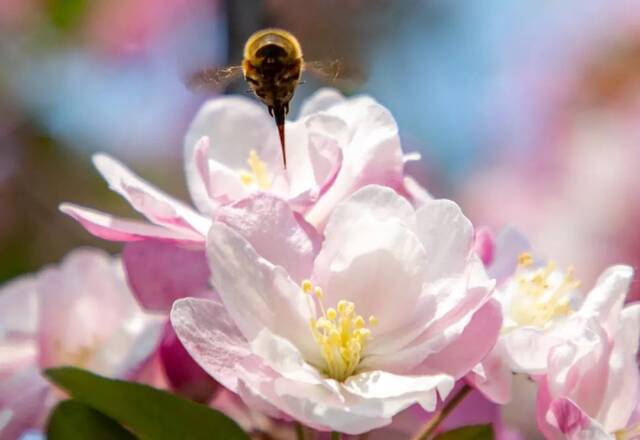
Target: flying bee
272 65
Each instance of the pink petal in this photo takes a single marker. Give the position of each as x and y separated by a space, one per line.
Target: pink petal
473 344
256 293
373 155
23 400
186 377
622 393
574 423
496 379
447 235
275 232
19 308
159 273
484 246
211 337
148 200
84 300
113 228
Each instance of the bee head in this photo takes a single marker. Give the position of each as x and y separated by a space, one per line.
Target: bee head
271 53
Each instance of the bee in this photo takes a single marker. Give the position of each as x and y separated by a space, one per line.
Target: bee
272 65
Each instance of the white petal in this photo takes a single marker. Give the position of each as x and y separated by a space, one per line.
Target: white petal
604 302
447 236
320 101
258 294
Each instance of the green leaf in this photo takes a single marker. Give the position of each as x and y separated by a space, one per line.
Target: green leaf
474 432
148 412
72 420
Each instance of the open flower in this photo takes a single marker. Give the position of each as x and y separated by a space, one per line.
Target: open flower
80 313
590 388
393 308
232 152
543 309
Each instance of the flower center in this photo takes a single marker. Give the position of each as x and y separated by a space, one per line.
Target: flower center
77 358
630 433
257 176
542 294
340 333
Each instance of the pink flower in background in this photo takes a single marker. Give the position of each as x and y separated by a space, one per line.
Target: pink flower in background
392 309
591 384
337 146
79 313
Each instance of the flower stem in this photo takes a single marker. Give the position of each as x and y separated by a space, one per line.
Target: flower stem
431 426
300 432
336 435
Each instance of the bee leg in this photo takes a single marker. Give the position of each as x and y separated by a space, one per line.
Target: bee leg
270 111
286 108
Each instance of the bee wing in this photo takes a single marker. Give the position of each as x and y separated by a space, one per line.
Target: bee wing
337 72
213 78
327 69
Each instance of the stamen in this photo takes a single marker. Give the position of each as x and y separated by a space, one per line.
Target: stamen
258 172
340 333
542 295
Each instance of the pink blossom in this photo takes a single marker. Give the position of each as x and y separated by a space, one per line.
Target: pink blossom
291 335
590 389
541 305
78 313
232 152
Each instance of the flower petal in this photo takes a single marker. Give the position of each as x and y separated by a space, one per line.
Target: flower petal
112 228
83 300
473 344
447 236
574 423
322 100
622 394
373 155
157 206
159 273
604 302
256 293
276 233
209 334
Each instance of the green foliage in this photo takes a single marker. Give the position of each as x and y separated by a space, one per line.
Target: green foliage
66 14
475 432
148 412
72 420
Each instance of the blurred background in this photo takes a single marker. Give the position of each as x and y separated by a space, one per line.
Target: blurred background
526 112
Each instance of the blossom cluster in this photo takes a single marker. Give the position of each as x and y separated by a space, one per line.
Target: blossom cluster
336 294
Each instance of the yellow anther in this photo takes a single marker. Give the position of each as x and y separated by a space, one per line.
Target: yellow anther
246 178
258 174
341 335
542 294
373 321
307 286
525 259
